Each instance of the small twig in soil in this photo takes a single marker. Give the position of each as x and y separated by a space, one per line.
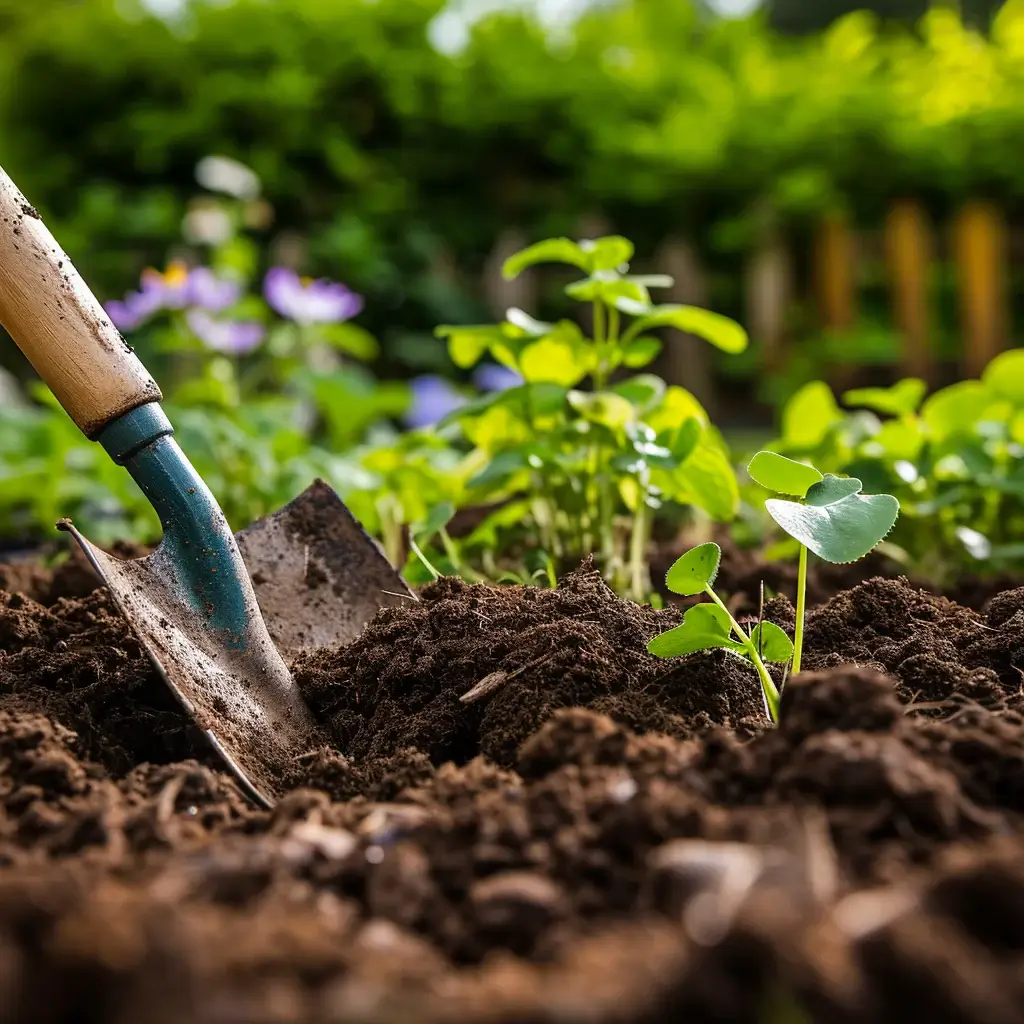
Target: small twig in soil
494 680
168 797
395 593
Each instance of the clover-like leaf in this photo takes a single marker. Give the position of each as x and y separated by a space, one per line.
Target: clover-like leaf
772 643
842 531
782 475
551 250
902 399
704 627
832 489
695 570
719 330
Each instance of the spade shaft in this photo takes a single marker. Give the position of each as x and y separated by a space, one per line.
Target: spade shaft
192 601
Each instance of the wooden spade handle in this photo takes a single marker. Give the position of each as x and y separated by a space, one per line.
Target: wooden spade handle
57 322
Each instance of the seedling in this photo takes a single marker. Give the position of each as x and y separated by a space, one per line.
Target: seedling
830 517
707 626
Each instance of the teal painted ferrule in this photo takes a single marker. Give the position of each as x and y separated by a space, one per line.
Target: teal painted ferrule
197 539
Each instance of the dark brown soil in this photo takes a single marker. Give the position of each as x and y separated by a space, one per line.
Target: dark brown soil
593 835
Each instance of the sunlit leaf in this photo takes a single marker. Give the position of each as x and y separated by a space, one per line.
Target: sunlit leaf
644 391
466 345
772 643
1004 375
809 415
719 330
640 351
902 399
704 627
782 475
697 569
956 409
437 519
706 479
551 250
554 361
841 532
677 406
603 407
608 253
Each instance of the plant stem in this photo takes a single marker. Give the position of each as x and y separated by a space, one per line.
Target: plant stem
801 605
771 693
640 581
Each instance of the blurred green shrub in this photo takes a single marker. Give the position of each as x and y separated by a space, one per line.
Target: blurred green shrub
390 156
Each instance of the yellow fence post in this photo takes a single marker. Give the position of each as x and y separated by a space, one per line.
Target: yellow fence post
835 263
980 253
908 251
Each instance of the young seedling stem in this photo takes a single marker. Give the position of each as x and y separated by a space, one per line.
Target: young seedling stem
801 606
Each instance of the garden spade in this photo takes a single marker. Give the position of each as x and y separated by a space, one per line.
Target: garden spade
194 603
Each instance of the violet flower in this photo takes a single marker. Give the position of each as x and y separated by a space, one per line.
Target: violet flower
233 337
495 377
175 288
309 302
432 399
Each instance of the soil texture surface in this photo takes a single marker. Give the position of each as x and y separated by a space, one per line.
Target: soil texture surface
522 816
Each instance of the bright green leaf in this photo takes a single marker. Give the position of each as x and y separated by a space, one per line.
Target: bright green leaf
832 489
809 416
841 532
466 345
350 338
608 253
782 475
554 361
695 570
551 250
1004 376
608 288
772 643
644 391
706 479
719 330
640 351
955 410
704 627
437 519
902 399
676 408
603 407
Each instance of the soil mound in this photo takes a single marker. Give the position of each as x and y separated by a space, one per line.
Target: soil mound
592 835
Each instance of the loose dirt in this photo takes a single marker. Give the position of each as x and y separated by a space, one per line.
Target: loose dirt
596 836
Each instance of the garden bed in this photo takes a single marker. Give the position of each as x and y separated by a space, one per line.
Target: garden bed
600 836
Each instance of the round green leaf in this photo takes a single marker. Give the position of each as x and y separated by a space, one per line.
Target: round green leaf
555 361
695 570
772 643
640 351
1004 376
608 253
832 489
842 531
466 345
956 409
782 475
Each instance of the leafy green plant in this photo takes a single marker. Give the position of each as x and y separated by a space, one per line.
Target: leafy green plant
829 516
711 626
588 449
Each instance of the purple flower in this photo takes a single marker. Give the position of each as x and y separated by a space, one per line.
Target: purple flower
494 377
432 399
235 337
175 288
207 291
309 302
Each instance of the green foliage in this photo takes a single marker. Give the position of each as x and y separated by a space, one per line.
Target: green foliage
954 460
592 453
707 627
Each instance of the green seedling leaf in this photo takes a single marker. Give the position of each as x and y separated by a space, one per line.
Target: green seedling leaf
695 570
955 410
842 531
608 253
902 399
719 330
832 489
551 250
606 286
772 643
704 627
640 351
809 416
685 440
705 479
782 475
1004 376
